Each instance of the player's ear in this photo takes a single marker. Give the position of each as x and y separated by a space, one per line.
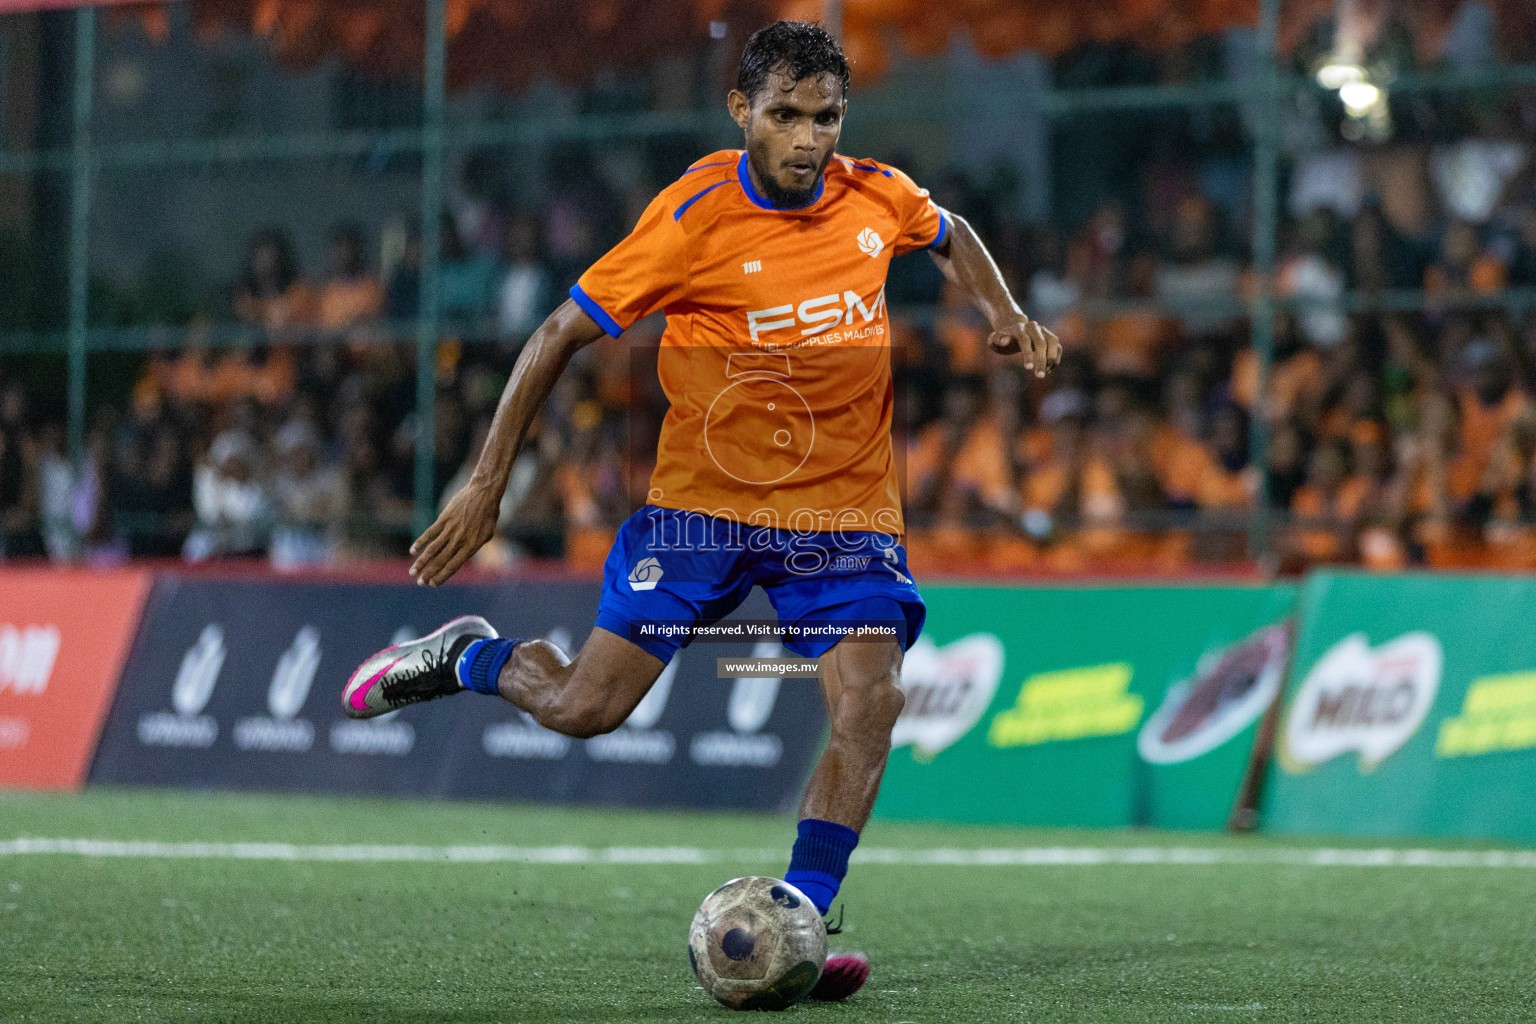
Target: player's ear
740 107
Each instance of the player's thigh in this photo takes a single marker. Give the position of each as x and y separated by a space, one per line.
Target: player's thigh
612 673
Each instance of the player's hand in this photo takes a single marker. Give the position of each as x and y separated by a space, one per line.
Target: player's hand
1040 347
467 522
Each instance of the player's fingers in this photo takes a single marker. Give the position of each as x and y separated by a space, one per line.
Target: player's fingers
432 555
426 537
426 550
1039 352
1055 350
1003 343
455 560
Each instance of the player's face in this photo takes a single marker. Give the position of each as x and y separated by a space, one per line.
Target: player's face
792 128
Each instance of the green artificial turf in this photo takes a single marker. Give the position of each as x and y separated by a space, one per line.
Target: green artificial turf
148 939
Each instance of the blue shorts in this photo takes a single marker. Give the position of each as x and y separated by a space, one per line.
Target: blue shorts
671 569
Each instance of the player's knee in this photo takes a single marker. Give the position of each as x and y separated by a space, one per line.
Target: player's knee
585 717
872 704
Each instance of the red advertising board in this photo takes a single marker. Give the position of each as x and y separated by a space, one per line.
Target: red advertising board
63 638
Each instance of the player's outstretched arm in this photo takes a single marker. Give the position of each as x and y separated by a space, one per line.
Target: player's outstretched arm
965 261
469 518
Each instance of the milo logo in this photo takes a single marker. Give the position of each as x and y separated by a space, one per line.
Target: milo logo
948 689
1362 699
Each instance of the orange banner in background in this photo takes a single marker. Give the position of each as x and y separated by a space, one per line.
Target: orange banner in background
63 638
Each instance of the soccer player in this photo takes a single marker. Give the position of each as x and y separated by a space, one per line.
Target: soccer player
775 465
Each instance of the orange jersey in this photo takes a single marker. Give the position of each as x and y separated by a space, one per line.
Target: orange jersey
776 357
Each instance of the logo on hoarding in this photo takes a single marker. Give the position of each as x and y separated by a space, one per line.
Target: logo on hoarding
382 734
281 730
1069 704
190 693
750 706
1498 714
638 741
14 733
27 657
1228 692
948 689
1369 700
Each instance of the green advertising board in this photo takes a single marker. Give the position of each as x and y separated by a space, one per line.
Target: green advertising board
1411 709
1085 706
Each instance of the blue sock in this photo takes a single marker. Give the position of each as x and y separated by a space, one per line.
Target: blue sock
820 860
479 667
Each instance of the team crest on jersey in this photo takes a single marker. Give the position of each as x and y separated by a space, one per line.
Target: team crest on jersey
870 242
645 575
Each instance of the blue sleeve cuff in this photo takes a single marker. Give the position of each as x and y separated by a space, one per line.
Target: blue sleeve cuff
938 239
596 312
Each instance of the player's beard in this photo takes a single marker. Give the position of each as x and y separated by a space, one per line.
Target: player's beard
790 198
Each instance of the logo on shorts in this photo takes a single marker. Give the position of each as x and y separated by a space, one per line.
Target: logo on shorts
870 242
645 575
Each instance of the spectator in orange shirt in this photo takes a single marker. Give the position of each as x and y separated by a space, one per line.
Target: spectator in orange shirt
1077 485
962 331
1286 463
1371 465
269 294
1488 403
965 451
1325 510
1464 266
1130 342
1227 481
1179 456
351 295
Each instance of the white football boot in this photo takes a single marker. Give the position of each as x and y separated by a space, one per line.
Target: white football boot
414 671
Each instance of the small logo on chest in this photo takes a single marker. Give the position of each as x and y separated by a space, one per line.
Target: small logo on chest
871 242
751 266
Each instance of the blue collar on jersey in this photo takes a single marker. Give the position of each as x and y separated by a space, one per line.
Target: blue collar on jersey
757 200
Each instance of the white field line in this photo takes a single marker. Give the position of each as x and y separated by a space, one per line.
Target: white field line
1029 856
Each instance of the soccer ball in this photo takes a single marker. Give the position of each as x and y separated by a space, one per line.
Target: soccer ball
757 944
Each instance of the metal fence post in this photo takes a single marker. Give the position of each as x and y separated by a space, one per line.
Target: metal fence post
832 17
1266 197
79 228
427 315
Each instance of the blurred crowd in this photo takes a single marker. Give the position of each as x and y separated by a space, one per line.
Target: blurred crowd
1389 438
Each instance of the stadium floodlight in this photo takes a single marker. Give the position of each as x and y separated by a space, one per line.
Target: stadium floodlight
1336 74
1359 97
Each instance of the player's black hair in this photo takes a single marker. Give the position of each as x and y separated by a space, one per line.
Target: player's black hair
799 49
